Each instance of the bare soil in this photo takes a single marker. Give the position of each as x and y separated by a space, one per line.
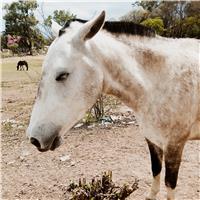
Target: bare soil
86 152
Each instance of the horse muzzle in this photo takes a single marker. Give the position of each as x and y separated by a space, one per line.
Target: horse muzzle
55 144
45 137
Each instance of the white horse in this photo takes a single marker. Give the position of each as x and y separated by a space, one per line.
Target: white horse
159 78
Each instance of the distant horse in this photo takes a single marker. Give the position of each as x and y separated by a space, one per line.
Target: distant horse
159 78
20 65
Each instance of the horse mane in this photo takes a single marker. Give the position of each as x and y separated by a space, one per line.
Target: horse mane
118 27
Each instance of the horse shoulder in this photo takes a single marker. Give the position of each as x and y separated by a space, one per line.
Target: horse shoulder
172 104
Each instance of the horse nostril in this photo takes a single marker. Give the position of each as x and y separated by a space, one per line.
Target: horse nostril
35 142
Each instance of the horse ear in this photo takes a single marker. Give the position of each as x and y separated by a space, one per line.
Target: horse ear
55 27
89 29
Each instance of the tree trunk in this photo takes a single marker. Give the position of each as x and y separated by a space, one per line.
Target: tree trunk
30 48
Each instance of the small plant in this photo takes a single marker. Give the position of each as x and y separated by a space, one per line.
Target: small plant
99 108
96 113
100 189
89 117
7 126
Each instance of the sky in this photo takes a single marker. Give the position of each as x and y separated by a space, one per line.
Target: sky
83 9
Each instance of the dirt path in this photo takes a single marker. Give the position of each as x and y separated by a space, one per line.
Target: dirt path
29 174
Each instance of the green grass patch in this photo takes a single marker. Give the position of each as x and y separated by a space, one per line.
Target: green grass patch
9 72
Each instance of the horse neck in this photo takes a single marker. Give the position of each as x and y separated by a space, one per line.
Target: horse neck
122 76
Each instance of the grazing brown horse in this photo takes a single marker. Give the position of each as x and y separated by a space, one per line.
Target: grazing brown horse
159 78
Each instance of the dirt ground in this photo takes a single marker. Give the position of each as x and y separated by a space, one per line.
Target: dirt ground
86 152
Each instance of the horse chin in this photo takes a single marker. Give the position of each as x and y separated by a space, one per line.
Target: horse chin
42 150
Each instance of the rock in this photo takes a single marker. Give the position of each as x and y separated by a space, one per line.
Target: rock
116 118
91 126
20 126
132 122
65 158
13 121
11 162
78 125
25 153
107 123
10 101
21 158
106 119
72 164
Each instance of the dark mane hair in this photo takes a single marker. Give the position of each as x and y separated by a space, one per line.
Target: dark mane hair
118 27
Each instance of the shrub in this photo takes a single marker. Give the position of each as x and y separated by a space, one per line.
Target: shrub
100 189
14 48
155 23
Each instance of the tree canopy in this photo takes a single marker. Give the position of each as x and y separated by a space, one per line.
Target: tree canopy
59 16
20 21
168 18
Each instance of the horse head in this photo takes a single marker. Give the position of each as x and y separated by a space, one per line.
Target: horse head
70 84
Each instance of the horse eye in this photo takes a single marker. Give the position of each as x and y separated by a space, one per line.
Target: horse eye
63 76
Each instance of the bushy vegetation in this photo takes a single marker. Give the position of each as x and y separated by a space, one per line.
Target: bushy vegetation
189 27
168 18
100 189
155 23
21 22
59 16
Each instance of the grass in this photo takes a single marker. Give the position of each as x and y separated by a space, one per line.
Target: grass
9 72
19 88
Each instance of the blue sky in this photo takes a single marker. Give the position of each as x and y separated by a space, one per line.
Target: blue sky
83 9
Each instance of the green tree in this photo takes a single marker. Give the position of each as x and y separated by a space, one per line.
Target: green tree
179 18
166 10
155 23
135 15
59 16
20 21
192 9
3 42
14 48
147 5
189 27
